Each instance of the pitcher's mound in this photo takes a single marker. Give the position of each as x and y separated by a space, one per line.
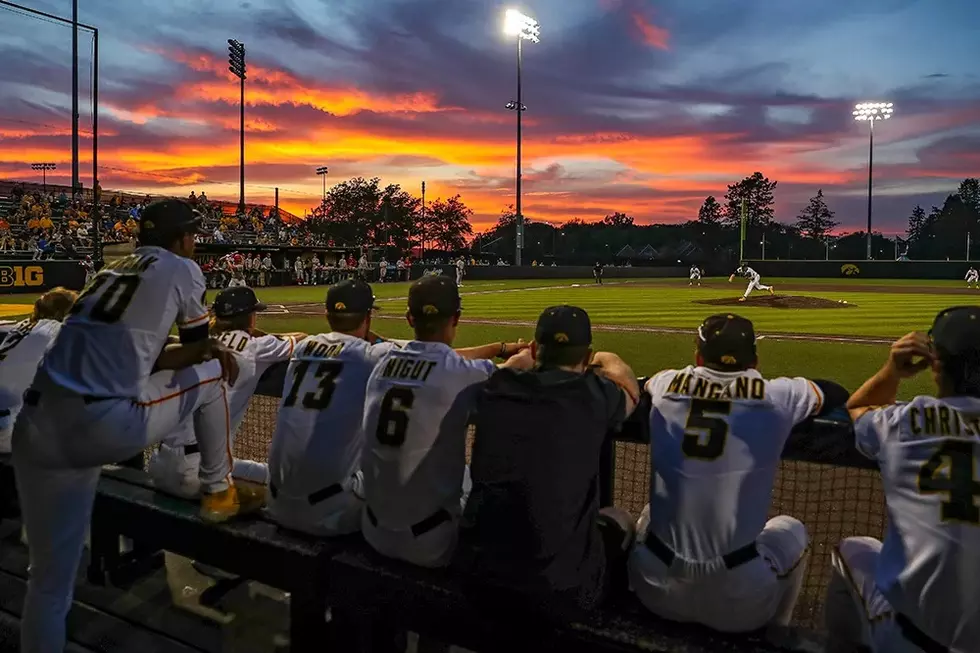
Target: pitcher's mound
776 301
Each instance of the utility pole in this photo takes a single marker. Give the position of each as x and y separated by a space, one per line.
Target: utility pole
74 98
422 226
236 64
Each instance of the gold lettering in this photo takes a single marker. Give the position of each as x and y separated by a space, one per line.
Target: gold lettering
686 389
741 388
714 390
944 421
390 367
675 384
700 388
758 389
914 417
930 421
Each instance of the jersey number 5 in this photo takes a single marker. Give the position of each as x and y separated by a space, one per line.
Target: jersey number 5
327 372
393 420
114 300
956 460
706 430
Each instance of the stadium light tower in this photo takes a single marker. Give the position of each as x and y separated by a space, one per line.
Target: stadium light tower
43 168
870 112
524 28
236 64
322 173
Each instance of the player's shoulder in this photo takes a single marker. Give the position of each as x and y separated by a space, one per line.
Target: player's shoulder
659 384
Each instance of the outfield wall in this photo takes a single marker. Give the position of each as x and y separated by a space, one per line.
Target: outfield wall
495 272
40 276
863 269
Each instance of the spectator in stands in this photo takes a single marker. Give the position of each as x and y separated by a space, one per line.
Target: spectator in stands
705 552
533 525
415 477
918 591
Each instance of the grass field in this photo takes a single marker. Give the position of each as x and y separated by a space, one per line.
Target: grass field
651 323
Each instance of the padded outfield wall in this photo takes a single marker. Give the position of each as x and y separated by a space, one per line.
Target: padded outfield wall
857 269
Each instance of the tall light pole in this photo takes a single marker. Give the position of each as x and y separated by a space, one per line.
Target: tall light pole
870 112
236 64
422 226
524 28
43 168
322 173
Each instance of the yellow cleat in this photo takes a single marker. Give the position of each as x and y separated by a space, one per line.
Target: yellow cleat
236 501
741 299
772 290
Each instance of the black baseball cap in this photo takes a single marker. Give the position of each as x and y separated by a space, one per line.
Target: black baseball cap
434 297
168 218
564 326
727 341
350 296
956 331
231 302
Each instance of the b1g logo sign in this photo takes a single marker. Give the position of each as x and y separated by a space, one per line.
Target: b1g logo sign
850 270
19 276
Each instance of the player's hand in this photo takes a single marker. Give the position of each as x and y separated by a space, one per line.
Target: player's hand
522 360
731 278
910 354
510 348
229 366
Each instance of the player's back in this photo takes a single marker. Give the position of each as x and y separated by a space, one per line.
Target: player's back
716 439
20 353
318 438
930 566
120 322
254 355
418 403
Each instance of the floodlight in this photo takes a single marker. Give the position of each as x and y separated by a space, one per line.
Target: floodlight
521 26
873 111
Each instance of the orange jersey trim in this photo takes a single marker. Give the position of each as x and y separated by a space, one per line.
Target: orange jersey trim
174 395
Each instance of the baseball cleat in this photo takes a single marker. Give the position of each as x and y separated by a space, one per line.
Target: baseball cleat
741 299
231 503
772 290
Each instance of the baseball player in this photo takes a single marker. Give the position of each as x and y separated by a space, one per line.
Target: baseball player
753 277
316 485
705 551
236 268
597 272
972 278
419 398
175 466
21 351
298 269
460 266
89 268
382 269
95 400
918 592
695 275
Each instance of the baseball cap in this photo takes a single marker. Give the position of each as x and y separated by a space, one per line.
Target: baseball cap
727 341
169 217
956 331
564 326
236 301
350 296
434 297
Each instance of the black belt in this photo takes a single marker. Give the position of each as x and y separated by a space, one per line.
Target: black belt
32 397
422 527
191 448
736 558
314 497
914 635
5 413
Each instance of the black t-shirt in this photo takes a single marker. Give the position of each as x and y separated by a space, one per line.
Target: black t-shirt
530 522
597 269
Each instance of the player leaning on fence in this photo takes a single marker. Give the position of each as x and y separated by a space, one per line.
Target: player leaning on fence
920 590
96 400
419 400
705 551
533 529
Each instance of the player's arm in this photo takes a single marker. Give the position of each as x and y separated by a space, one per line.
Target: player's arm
619 372
908 356
492 350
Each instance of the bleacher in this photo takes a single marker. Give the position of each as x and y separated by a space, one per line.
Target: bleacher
345 597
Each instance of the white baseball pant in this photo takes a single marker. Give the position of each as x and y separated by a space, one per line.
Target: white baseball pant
177 473
856 611
236 283
59 447
339 514
459 277
433 548
754 285
760 592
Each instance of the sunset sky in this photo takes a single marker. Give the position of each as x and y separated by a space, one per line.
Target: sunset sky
641 106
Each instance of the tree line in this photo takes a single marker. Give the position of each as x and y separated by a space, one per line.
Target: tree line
362 211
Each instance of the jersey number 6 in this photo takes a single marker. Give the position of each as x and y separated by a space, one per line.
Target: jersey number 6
706 430
393 420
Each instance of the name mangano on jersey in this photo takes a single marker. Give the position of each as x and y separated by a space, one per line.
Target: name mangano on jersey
716 467
120 322
318 438
929 453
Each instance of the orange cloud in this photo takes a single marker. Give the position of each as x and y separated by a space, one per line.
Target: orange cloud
652 35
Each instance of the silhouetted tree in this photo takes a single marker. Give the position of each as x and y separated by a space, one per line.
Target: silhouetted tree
758 193
710 212
816 220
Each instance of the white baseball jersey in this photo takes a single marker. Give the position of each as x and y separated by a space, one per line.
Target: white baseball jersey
715 443
972 274
119 324
695 272
20 352
929 454
460 264
318 438
748 273
419 399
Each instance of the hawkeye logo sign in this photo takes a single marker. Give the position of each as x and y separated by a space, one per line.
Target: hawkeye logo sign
850 270
19 276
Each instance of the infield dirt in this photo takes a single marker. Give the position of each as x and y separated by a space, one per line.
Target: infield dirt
776 301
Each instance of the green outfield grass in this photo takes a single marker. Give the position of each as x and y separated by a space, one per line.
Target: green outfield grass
659 304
